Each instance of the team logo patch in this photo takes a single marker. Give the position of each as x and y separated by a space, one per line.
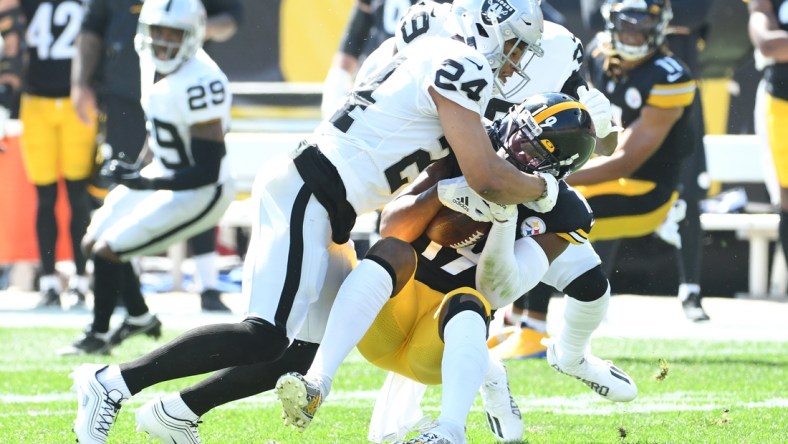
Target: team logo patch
633 98
500 10
532 226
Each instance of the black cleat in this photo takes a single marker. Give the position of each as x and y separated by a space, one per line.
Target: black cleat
126 330
210 301
693 310
89 344
49 298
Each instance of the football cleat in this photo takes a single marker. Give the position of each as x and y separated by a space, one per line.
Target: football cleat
127 329
300 399
49 298
96 407
434 435
91 343
693 310
602 377
154 420
210 301
525 344
503 415
74 299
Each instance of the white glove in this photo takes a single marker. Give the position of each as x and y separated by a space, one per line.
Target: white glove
599 107
456 194
336 86
502 213
546 203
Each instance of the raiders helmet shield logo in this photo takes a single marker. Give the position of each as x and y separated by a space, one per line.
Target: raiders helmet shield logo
499 10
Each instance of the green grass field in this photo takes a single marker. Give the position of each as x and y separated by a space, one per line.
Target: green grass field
705 392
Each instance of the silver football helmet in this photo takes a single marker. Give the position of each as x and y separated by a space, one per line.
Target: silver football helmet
187 16
488 24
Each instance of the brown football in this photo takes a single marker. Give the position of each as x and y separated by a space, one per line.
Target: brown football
452 229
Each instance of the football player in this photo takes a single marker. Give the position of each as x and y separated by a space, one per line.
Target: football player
401 117
184 190
54 142
434 329
632 191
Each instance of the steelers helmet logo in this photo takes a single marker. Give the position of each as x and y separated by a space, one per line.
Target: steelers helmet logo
532 226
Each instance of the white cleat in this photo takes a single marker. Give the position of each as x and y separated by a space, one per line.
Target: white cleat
300 399
602 377
503 415
96 407
157 423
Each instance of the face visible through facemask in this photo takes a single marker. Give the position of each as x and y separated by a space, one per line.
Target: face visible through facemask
165 42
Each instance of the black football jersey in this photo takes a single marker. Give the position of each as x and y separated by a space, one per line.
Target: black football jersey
661 81
444 269
52 27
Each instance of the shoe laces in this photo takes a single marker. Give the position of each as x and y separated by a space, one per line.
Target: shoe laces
108 411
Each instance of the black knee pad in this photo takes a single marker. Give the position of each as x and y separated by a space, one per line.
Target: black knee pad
269 341
589 286
456 305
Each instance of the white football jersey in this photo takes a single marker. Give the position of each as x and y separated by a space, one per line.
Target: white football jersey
563 52
388 129
196 92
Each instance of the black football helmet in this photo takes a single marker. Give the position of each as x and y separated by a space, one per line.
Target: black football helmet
649 18
551 133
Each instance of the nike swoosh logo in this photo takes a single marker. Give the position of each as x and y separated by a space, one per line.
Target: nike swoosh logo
474 63
673 77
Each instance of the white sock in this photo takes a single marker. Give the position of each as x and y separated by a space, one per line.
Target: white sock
49 282
581 319
539 325
360 298
206 275
111 379
687 289
175 407
464 364
141 319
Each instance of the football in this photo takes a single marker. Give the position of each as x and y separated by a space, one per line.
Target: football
452 229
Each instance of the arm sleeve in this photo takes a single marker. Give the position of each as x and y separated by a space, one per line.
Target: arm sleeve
506 268
96 17
205 171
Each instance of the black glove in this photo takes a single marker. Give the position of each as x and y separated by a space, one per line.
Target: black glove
124 174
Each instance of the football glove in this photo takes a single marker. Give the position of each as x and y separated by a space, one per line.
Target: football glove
125 174
456 194
546 203
599 107
502 213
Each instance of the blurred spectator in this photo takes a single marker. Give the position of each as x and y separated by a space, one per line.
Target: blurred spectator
768 29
